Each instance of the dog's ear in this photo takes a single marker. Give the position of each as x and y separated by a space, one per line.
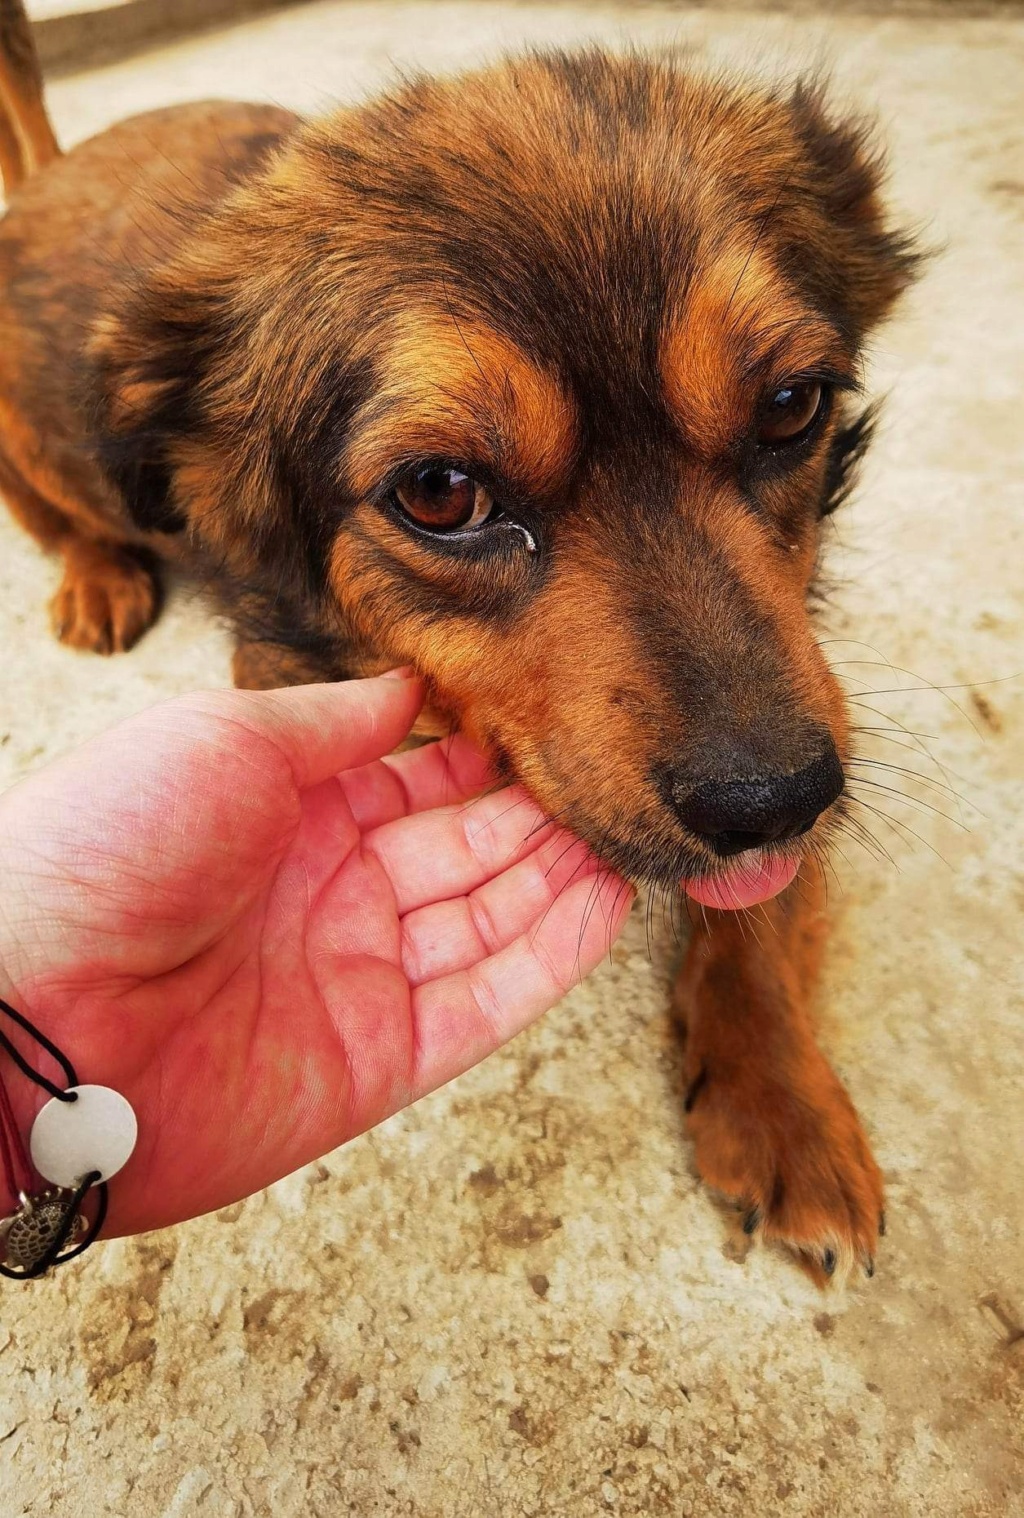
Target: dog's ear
149 358
866 261
222 399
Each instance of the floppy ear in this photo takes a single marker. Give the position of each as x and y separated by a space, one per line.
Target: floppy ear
866 262
149 361
223 399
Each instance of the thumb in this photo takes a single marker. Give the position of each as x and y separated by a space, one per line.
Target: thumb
323 729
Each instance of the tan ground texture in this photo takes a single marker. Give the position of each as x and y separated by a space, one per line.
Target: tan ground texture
516 1299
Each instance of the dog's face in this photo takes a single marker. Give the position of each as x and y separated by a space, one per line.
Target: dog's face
538 380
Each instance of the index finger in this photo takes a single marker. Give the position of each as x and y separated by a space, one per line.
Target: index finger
447 851
437 774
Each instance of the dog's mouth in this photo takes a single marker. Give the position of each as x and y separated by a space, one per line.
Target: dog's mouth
746 881
723 882
727 844
726 884
726 869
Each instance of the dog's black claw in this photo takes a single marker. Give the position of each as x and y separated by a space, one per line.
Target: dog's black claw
694 1089
828 1262
881 1225
751 1220
869 1269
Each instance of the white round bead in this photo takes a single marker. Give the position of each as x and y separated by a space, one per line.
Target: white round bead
96 1132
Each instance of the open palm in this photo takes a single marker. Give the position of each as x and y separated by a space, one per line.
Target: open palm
269 937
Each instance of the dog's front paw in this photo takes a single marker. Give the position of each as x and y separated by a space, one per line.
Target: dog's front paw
108 598
786 1145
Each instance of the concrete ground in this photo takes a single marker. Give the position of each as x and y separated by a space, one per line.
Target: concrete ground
516 1299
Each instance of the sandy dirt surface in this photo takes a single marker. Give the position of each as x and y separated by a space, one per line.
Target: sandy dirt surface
517 1300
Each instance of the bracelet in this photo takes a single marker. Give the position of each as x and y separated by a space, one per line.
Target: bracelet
80 1138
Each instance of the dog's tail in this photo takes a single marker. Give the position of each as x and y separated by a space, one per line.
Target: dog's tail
26 136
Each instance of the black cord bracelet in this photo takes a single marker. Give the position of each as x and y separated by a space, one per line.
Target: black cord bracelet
34 1238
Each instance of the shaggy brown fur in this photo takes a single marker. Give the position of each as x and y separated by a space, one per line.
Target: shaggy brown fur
276 349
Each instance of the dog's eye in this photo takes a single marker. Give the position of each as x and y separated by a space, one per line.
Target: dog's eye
790 413
443 499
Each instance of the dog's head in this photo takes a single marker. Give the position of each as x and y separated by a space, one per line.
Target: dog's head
540 379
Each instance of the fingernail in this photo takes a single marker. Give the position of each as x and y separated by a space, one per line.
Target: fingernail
403 672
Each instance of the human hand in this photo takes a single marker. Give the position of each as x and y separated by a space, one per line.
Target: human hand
233 910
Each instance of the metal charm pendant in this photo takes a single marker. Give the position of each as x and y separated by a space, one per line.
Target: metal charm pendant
28 1234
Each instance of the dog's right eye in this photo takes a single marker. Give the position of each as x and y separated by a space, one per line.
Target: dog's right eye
788 416
442 498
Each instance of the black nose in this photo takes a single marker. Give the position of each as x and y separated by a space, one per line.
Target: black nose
733 815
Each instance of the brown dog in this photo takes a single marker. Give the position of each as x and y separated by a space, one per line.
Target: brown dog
537 379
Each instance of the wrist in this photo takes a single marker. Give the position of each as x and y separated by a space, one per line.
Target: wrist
18 1107
25 1098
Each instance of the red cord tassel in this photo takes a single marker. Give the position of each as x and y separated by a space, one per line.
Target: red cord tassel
17 1167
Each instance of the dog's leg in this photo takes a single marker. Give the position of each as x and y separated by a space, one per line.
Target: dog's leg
108 597
110 593
773 1127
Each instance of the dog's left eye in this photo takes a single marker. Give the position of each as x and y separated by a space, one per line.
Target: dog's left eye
790 413
442 498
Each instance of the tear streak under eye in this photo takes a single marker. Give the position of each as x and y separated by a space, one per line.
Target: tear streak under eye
528 537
